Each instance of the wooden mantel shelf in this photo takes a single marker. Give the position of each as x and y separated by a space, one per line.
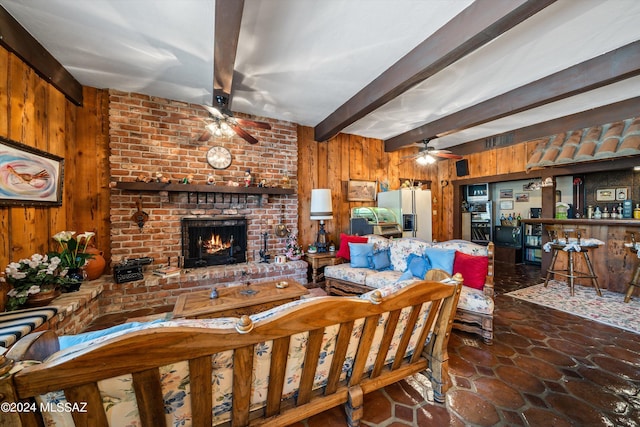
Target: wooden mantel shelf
200 188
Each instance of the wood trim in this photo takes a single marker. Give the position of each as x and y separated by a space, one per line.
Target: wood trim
18 40
477 25
608 68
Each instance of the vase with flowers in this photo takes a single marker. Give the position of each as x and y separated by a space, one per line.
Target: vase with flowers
73 256
293 250
35 281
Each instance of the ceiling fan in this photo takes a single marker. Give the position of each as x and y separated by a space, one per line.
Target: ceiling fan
428 155
221 122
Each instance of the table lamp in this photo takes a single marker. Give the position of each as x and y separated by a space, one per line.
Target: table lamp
321 209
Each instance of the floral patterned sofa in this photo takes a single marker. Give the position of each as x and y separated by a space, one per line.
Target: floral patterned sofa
272 368
474 262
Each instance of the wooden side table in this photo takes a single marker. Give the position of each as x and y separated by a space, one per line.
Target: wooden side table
317 262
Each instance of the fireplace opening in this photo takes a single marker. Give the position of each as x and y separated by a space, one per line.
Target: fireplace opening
214 241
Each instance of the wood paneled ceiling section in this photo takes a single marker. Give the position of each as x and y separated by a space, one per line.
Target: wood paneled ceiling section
462 71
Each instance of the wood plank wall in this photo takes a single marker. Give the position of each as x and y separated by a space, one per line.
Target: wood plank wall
348 157
36 114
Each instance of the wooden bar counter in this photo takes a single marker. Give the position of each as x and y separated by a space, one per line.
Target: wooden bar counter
613 262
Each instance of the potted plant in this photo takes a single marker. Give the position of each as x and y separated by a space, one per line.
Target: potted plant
35 281
73 256
293 250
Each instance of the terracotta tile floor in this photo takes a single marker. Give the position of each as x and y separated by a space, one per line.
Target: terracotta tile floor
545 368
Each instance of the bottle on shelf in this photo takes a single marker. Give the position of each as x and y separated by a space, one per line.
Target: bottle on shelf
598 213
636 211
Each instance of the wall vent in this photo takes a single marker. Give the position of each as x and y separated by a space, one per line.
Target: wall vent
499 140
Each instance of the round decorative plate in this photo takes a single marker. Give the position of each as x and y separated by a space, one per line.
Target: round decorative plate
219 157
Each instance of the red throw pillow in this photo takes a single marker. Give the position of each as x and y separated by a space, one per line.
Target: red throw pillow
473 268
345 239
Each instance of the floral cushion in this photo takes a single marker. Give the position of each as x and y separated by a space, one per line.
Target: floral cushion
384 278
379 242
475 300
402 248
348 273
463 246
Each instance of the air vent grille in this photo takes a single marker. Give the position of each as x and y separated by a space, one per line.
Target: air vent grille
499 140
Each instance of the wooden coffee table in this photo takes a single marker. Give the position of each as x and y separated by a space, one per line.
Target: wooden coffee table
236 301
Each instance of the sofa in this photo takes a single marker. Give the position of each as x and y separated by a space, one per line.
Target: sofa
272 368
380 261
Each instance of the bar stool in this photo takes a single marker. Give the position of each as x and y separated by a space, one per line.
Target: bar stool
636 274
569 240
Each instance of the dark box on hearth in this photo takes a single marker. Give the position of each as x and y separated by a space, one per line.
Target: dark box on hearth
127 273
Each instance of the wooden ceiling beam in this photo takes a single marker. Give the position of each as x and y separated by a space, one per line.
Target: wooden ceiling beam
477 25
16 39
608 68
228 17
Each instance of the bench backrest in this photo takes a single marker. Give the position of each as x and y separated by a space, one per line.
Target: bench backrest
282 365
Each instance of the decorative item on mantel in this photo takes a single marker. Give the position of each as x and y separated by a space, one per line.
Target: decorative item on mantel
35 281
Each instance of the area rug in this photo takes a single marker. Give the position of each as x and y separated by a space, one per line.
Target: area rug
609 309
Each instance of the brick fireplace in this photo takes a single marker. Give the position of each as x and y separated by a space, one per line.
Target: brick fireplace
219 240
150 136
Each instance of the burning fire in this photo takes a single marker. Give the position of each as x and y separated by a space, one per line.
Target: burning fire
215 244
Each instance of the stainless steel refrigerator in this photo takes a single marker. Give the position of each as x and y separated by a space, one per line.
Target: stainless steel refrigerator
412 208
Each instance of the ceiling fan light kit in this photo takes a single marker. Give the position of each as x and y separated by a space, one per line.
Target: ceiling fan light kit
221 126
425 159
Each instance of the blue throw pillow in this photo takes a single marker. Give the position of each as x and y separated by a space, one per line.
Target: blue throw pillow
418 265
380 260
360 253
407 275
441 258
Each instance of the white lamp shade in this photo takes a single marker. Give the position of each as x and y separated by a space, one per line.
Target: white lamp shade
321 207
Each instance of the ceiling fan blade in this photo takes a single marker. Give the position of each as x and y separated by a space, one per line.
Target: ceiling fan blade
213 111
446 154
206 135
253 123
244 134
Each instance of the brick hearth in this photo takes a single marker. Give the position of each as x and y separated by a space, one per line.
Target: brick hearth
154 291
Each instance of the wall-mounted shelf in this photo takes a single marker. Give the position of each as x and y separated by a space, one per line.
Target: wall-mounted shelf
200 188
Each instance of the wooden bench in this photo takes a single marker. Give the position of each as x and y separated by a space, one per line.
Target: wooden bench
272 368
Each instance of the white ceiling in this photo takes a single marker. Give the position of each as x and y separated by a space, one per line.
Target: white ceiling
299 60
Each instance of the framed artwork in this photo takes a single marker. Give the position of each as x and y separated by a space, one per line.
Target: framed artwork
506 193
622 193
362 191
522 197
29 176
605 195
506 205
